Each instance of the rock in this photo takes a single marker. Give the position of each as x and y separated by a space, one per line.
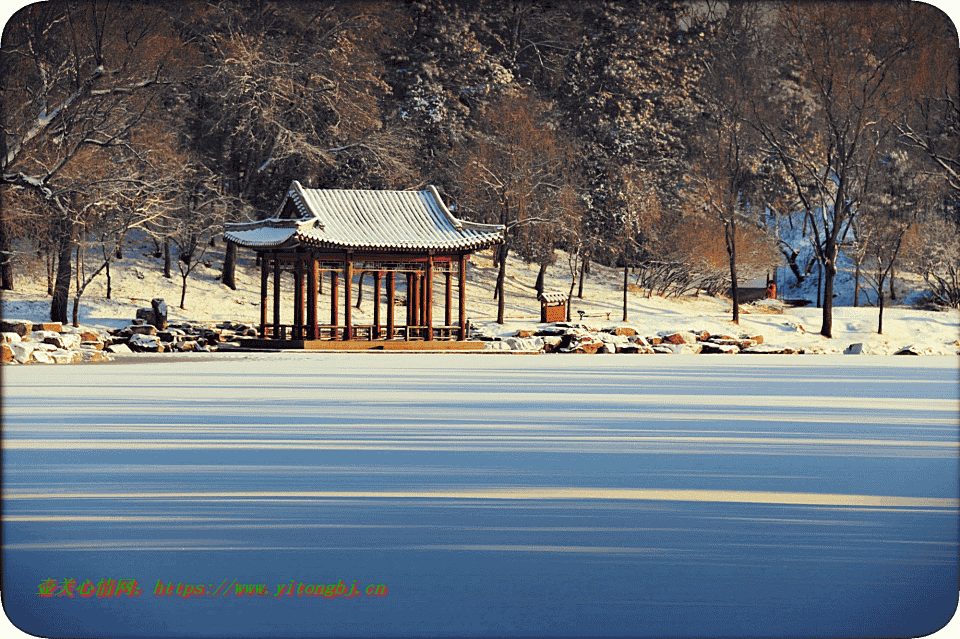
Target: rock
141 329
655 340
702 335
22 351
746 343
770 349
118 348
756 338
92 346
583 343
10 337
662 349
42 357
909 350
551 343
159 313
488 346
714 348
687 349
854 349
682 337
62 356
20 327
142 343
525 332
91 355
625 331
608 348
55 327
6 353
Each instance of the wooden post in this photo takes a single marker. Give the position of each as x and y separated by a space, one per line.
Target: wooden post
276 296
264 279
347 289
428 299
391 298
334 300
296 331
448 296
375 334
313 330
422 299
463 297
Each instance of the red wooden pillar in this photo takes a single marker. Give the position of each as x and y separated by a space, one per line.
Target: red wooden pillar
296 331
391 298
264 278
422 298
463 297
347 290
428 299
447 298
313 332
334 300
376 304
276 297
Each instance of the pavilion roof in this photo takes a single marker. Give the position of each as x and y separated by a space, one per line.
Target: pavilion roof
408 221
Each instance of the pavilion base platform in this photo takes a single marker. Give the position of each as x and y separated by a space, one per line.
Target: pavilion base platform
359 345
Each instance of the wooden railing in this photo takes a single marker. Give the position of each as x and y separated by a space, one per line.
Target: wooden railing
359 332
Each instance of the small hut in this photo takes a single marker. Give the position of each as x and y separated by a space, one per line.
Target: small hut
337 233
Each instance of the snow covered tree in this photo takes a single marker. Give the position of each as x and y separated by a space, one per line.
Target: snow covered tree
78 78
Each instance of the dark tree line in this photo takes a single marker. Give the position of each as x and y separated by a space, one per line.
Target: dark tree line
659 137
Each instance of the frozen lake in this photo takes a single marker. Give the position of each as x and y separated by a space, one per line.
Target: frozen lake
489 494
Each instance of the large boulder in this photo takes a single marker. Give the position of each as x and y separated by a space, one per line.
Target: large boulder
20 327
714 348
159 313
9 337
6 353
22 351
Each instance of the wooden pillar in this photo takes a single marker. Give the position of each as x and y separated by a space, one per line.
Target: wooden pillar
463 297
313 332
391 298
276 297
428 299
296 331
447 299
264 278
347 290
334 301
422 299
375 334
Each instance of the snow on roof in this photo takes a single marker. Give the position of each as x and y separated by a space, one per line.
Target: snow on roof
379 220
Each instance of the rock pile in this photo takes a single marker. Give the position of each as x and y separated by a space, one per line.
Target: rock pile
562 337
23 342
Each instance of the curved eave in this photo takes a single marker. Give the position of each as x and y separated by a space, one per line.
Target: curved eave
471 243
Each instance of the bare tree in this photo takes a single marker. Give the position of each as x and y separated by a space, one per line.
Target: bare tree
78 79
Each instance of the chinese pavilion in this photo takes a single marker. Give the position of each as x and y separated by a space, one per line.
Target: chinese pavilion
408 234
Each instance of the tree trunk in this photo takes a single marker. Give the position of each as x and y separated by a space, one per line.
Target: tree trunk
819 284
61 286
583 270
183 291
880 304
541 274
501 275
831 270
166 258
626 281
229 275
730 233
856 285
109 282
6 261
893 293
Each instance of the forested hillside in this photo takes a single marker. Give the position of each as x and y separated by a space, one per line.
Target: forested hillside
675 140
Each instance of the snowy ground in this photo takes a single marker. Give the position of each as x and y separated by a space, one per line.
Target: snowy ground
138 279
